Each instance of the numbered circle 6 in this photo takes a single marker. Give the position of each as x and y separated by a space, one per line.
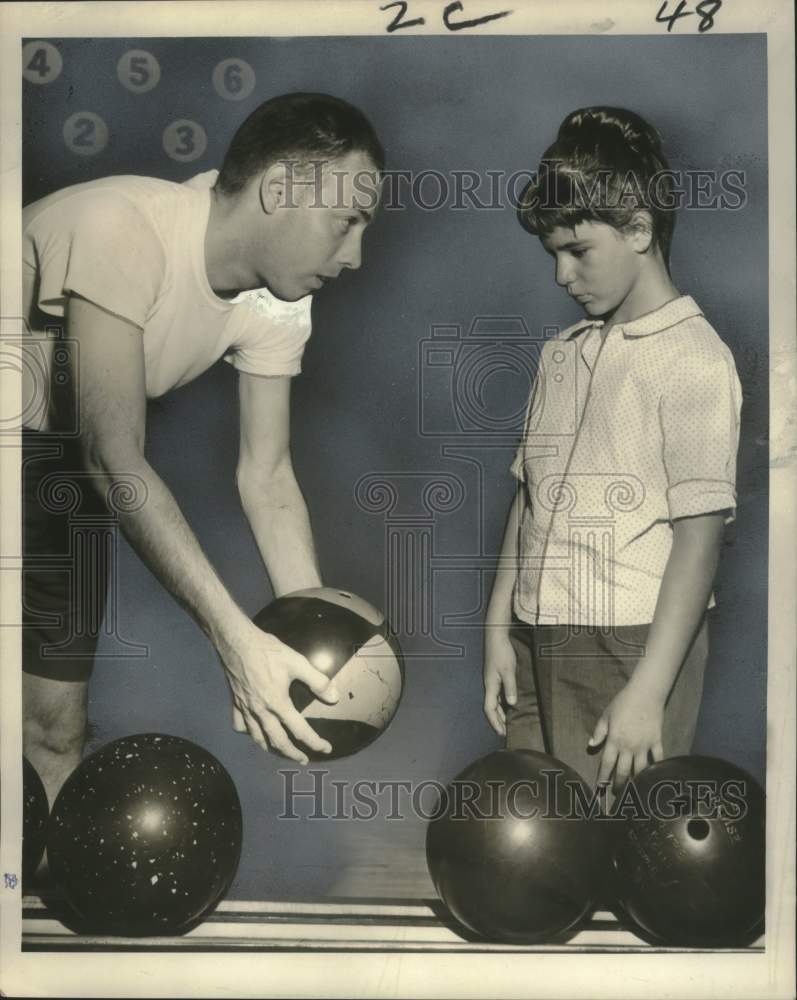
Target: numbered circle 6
233 79
85 133
41 62
138 71
185 140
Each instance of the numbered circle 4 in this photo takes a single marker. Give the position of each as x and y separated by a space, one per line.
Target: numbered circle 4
185 140
41 62
233 79
85 133
138 71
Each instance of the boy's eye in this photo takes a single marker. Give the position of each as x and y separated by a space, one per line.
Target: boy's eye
346 223
579 253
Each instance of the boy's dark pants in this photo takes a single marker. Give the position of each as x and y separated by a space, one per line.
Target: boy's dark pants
567 675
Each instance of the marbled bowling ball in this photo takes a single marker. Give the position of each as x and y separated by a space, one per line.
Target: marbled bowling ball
347 639
145 836
35 812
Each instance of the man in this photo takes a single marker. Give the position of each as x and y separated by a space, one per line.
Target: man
155 281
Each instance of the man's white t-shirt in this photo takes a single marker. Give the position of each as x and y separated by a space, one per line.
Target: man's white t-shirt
135 246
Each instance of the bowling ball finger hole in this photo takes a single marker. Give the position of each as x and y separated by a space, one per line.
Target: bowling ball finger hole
698 829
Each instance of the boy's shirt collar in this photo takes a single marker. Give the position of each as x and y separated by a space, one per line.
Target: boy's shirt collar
670 314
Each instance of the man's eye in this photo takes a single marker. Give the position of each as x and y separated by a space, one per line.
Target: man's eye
346 223
578 254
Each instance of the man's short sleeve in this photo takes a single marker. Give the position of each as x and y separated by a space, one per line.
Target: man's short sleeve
274 334
97 245
699 414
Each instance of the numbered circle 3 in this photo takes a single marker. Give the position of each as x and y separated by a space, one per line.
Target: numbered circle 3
85 133
41 62
138 71
233 79
185 140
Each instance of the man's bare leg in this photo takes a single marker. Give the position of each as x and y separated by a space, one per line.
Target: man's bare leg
54 720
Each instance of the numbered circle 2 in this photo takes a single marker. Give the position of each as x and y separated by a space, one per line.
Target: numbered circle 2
233 79
85 133
138 71
41 62
185 140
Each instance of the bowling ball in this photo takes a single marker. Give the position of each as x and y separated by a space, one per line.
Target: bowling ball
35 813
688 856
347 639
145 836
512 853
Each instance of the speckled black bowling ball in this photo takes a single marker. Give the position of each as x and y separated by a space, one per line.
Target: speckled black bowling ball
145 836
35 811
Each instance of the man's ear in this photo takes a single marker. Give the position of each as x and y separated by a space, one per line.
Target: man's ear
273 188
641 230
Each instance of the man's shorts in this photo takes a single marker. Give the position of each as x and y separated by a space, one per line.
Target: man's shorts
66 559
566 677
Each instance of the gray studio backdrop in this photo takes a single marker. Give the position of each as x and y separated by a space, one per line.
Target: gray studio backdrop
401 439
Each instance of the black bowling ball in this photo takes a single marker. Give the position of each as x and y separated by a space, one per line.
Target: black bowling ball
145 836
35 812
688 858
513 853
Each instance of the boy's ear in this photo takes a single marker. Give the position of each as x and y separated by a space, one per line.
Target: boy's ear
641 230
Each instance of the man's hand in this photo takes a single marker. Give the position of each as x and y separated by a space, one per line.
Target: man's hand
631 728
260 670
500 665
112 407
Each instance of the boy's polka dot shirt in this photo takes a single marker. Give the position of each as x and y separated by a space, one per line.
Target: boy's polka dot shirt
622 438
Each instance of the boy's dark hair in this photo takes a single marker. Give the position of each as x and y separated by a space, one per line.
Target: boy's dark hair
299 127
605 165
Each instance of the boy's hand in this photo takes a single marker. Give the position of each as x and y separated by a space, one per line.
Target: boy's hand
631 726
500 665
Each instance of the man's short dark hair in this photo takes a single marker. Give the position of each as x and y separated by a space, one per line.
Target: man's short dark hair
301 128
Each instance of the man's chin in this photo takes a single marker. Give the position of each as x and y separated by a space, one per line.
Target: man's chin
287 294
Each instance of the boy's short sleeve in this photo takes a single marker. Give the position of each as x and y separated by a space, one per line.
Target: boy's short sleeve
699 414
517 468
97 245
275 334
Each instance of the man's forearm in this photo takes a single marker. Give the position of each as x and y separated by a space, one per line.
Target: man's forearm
683 598
162 538
278 516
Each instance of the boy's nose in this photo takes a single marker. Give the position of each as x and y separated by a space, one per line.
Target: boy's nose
564 272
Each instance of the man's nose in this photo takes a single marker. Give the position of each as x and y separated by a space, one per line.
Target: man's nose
351 253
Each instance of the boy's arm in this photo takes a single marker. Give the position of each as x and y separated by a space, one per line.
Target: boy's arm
112 401
499 657
632 722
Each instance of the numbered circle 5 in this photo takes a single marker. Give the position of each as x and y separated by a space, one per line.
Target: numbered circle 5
41 62
233 79
138 71
185 140
85 133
